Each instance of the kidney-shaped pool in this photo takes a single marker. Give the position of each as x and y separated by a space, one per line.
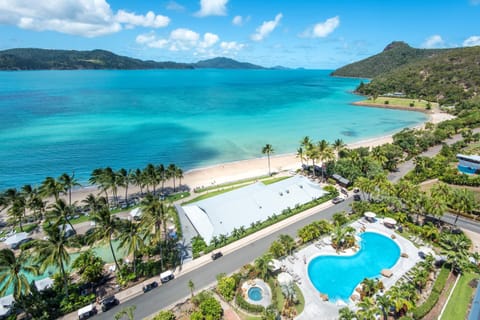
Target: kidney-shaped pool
338 276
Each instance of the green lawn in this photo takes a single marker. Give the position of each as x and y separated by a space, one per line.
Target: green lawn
402 102
280 298
458 305
274 180
230 184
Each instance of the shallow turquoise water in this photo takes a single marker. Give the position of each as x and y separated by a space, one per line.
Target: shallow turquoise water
338 276
63 121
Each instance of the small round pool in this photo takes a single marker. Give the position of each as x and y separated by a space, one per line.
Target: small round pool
255 293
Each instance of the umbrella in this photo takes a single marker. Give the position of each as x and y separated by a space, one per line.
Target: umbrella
369 214
390 221
284 278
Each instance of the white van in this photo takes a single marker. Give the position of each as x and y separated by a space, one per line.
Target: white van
87 312
166 276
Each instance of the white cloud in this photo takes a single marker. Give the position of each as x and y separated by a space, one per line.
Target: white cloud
149 20
87 18
175 6
231 47
266 28
209 39
212 8
322 29
434 41
237 20
472 41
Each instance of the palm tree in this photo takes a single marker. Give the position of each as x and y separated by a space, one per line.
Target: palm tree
368 309
171 169
124 179
12 273
17 210
384 303
463 201
62 212
400 301
300 154
179 175
287 242
151 176
261 264
338 145
346 314
52 251
268 150
95 203
106 227
191 286
129 312
455 247
132 239
343 237
68 182
51 187
137 179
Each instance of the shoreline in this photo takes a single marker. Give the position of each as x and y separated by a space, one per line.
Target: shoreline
251 168
392 107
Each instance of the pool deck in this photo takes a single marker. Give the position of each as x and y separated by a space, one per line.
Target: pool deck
315 307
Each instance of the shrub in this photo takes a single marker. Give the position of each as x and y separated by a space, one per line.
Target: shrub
164 315
247 306
422 310
226 287
412 104
386 102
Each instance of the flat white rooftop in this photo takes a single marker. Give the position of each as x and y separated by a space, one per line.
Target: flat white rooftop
256 202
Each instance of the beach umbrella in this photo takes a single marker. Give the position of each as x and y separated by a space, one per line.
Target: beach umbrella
284 278
370 214
390 221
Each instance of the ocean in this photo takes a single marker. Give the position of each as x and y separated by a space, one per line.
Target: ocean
75 121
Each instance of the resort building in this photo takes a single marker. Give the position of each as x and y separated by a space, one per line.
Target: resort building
241 207
467 161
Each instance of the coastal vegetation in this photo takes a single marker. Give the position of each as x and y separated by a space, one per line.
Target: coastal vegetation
43 59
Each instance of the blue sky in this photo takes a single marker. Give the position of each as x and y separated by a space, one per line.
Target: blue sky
321 34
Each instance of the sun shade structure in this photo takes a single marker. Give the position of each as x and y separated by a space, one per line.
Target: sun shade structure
241 207
6 305
369 214
44 284
135 213
16 239
284 278
389 221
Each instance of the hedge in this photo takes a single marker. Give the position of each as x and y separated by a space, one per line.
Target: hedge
422 310
242 303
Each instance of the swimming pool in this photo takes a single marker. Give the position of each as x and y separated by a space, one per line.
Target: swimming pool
255 293
466 170
337 276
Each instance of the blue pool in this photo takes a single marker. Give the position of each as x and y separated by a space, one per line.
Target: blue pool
255 293
466 170
338 276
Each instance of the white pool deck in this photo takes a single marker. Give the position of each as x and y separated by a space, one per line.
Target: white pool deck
315 307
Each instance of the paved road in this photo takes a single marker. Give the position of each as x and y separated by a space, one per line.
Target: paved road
177 289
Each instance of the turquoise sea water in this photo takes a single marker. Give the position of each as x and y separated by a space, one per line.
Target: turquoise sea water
62 121
338 276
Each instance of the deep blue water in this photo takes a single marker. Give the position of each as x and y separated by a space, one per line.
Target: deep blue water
338 276
62 121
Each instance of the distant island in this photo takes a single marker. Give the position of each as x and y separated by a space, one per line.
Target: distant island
45 59
447 76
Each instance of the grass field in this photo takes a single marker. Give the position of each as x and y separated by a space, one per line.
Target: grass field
401 102
458 305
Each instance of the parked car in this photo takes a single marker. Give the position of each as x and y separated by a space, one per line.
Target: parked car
109 302
216 255
356 197
338 200
166 276
150 286
87 312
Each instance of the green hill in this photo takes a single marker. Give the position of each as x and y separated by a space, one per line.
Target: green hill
395 55
43 59
448 77
225 63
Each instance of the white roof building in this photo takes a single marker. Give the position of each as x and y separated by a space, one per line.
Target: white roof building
256 202
6 304
43 284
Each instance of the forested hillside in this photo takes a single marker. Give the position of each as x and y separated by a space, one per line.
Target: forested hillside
395 55
448 77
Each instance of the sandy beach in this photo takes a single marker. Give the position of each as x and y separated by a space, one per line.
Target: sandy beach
244 169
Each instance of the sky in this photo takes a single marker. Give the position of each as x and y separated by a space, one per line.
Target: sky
315 34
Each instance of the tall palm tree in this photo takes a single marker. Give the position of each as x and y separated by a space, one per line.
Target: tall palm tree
171 169
455 247
401 303
68 182
300 154
463 201
12 273
151 176
368 309
287 242
179 175
261 264
51 188
384 303
161 175
346 314
17 210
124 178
132 239
268 150
62 212
52 251
137 179
106 227
338 145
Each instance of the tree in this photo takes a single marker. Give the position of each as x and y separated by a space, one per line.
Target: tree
51 188
132 238
384 303
106 227
52 251
68 182
455 247
128 312
62 212
171 173
300 154
211 309
268 150
262 263
191 286
368 309
124 179
463 201
226 287
287 242
346 314
12 273
89 266
165 315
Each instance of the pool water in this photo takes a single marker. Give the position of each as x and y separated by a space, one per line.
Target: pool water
255 294
337 276
466 170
